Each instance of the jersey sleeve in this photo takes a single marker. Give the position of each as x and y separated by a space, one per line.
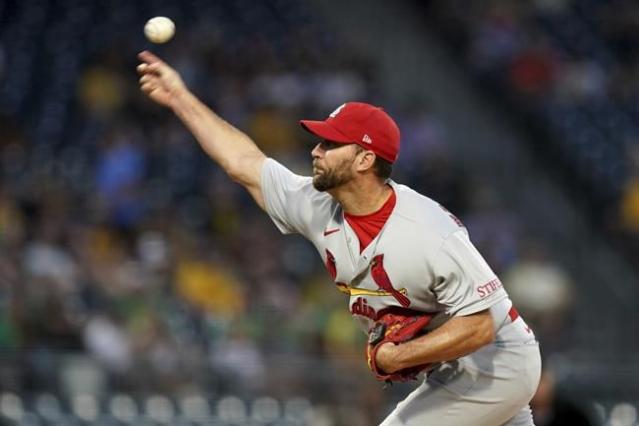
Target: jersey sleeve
288 198
464 283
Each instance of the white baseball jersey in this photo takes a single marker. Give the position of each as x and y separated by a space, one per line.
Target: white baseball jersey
421 260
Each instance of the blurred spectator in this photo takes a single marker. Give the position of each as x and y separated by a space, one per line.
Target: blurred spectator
12 223
550 408
343 339
551 7
45 256
272 130
440 178
497 36
336 87
208 285
108 343
492 227
629 204
620 26
533 70
423 135
569 68
581 80
544 294
2 61
12 235
119 174
9 332
157 356
239 361
101 91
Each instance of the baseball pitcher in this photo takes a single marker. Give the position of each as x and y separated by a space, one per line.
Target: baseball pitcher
430 304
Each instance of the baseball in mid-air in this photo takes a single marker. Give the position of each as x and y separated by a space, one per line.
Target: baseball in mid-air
159 29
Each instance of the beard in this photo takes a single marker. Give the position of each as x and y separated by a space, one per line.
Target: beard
332 178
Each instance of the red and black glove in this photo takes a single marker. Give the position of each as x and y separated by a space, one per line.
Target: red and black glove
397 329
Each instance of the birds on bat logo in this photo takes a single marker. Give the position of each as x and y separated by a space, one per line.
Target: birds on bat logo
378 274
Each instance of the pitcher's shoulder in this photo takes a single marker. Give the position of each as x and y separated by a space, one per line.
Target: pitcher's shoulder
425 212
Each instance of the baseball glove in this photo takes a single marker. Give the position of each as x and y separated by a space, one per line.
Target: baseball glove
397 329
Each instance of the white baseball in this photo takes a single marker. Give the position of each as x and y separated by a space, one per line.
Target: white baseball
159 29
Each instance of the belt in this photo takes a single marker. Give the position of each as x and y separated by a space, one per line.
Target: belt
513 314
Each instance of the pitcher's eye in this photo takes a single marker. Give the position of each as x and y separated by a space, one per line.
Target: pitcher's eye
328 145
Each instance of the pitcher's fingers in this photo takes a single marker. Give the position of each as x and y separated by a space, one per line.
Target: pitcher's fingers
146 78
156 68
148 69
149 57
148 87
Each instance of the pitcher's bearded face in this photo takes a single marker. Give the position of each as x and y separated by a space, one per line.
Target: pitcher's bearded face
330 177
332 164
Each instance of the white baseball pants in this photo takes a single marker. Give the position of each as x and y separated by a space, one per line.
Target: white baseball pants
491 387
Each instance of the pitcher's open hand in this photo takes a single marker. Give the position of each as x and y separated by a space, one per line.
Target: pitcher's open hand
158 80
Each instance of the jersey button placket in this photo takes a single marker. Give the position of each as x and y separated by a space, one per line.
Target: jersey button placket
349 239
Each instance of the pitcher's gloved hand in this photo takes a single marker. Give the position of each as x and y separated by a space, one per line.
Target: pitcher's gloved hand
396 329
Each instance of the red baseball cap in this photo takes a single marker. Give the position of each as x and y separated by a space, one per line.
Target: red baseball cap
364 124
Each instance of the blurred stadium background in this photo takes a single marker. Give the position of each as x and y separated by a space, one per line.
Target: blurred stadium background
139 286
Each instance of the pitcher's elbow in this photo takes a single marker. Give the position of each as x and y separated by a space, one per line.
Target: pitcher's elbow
235 169
245 169
234 174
